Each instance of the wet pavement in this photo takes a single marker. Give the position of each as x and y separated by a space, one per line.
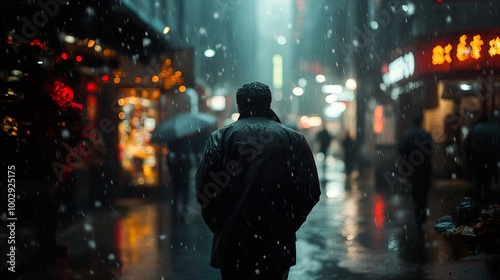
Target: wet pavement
357 231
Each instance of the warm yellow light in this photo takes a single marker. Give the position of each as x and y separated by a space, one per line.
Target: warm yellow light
463 51
106 52
116 80
155 79
182 89
475 45
440 54
166 29
91 43
121 115
315 121
121 102
138 80
494 47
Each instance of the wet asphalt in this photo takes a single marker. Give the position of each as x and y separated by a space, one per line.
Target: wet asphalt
360 229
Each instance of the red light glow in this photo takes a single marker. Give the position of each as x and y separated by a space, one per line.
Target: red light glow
378 211
91 87
378 119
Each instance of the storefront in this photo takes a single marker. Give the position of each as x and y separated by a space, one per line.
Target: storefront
139 158
450 80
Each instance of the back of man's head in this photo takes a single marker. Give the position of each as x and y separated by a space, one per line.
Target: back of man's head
417 120
253 94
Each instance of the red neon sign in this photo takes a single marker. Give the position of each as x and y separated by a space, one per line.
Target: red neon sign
451 54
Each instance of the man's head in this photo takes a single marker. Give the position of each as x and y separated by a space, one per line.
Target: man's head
417 120
253 94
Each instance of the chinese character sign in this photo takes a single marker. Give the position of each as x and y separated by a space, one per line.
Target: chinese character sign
464 50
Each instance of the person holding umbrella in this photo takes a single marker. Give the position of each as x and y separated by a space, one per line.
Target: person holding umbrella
256 184
185 135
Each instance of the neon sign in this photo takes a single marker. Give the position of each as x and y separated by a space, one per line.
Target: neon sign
459 54
401 68
464 51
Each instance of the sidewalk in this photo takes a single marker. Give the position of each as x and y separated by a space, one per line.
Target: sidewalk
355 232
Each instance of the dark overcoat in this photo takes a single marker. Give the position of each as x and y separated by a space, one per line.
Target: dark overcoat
256 184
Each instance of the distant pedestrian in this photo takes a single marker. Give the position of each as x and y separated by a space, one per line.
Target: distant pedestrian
349 153
416 147
482 146
324 139
179 166
257 183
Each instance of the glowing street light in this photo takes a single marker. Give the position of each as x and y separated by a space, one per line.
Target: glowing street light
351 84
320 78
209 53
298 91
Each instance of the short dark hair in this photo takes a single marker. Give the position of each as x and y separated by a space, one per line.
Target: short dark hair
253 94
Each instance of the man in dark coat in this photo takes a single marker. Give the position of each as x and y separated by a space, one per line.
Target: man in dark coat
416 148
256 184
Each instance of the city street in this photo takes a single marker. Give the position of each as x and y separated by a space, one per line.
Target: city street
357 231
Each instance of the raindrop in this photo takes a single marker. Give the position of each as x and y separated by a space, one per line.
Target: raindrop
163 237
111 257
91 244
88 227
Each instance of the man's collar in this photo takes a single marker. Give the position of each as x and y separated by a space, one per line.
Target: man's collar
259 111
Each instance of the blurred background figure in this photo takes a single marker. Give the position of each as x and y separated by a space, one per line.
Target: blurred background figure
323 141
481 147
349 153
324 138
179 161
416 147
185 135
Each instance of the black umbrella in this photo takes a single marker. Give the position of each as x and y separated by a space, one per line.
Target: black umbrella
183 125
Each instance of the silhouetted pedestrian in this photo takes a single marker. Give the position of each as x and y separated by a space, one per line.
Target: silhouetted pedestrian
257 183
482 146
349 153
324 139
179 166
416 148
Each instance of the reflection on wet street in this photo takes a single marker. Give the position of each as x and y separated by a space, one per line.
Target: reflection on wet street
357 231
